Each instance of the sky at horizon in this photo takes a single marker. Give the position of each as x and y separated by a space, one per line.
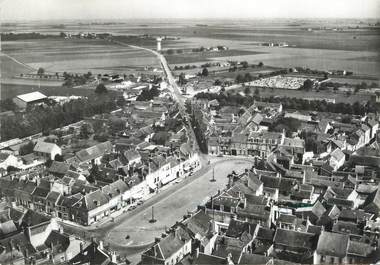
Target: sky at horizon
135 9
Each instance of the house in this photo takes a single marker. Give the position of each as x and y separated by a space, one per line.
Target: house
169 250
331 248
58 169
337 159
203 232
91 208
95 253
29 99
7 160
94 153
287 221
132 157
233 247
47 150
374 125
294 246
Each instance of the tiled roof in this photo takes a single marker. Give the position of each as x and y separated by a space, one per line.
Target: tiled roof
332 244
59 167
94 151
44 147
294 239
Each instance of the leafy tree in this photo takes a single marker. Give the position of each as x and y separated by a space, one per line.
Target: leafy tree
239 78
257 92
94 173
40 71
26 148
244 64
11 169
260 64
217 82
347 119
85 131
247 90
101 89
205 72
307 85
248 77
7 104
148 94
182 79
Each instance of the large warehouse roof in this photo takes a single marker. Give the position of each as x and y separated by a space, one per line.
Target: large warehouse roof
33 96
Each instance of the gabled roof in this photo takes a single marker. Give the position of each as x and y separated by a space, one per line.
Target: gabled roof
168 245
199 223
116 188
44 147
236 228
94 151
337 154
94 200
132 155
91 255
294 239
332 244
58 167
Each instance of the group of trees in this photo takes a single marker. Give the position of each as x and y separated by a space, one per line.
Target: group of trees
25 36
148 94
294 103
311 142
101 89
244 65
186 67
75 79
39 119
307 85
288 124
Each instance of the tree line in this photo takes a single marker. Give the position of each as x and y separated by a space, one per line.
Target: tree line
45 118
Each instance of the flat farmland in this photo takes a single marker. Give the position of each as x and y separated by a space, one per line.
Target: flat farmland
205 56
9 67
76 55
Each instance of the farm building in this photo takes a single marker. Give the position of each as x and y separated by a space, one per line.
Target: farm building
24 100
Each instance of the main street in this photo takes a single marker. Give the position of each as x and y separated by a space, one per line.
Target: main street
169 205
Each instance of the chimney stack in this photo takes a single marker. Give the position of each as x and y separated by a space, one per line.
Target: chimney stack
101 246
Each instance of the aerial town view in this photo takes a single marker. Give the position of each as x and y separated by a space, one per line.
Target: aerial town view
189 132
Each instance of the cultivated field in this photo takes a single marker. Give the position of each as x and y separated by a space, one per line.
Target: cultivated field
77 55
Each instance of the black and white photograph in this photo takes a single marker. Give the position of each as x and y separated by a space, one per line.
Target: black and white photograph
189 132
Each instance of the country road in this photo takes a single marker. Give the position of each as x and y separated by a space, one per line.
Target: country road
174 88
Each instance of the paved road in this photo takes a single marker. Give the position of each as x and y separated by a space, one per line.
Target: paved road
170 205
174 88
